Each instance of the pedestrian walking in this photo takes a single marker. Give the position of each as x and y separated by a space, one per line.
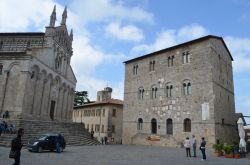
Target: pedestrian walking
92 134
203 148
105 139
187 145
16 146
194 144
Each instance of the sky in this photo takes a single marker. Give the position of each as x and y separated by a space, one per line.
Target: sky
109 32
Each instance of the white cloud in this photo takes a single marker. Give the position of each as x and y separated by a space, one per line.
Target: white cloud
171 37
104 10
128 33
92 85
21 16
86 57
240 50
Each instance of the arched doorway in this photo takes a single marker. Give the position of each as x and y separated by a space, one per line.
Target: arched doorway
169 126
153 126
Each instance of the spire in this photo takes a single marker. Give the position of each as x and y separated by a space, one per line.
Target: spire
71 34
53 17
64 16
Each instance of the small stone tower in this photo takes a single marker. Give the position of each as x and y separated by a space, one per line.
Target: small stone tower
104 95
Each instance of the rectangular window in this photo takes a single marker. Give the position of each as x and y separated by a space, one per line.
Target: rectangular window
103 112
102 128
1 69
114 113
113 129
97 128
93 112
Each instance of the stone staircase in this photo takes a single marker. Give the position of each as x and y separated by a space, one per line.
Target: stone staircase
74 133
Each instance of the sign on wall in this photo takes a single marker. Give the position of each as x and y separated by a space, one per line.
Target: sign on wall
205 111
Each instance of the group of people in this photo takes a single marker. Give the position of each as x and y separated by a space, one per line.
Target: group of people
5 128
104 140
193 143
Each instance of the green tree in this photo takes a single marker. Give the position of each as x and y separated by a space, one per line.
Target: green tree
81 97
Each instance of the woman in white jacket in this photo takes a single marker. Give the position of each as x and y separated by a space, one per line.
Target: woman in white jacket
187 145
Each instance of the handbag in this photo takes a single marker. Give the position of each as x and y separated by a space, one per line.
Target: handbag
12 154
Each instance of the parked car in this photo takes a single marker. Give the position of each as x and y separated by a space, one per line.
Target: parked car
47 142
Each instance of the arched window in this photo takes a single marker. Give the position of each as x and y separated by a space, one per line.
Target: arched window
1 69
169 90
141 93
152 65
169 126
139 124
135 69
154 92
185 57
187 88
169 60
187 125
1 45
153 126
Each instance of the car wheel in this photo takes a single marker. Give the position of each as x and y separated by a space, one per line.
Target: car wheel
40 149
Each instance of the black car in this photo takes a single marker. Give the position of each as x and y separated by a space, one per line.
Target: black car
47 142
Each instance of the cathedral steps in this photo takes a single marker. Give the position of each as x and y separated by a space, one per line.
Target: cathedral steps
74 133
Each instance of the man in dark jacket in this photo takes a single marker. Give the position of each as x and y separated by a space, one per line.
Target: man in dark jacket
203 148
16 145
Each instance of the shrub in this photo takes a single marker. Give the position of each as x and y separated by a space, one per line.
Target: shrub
218 147
228 149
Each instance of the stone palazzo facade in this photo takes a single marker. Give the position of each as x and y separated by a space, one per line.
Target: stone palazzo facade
104 116
36 79
180 91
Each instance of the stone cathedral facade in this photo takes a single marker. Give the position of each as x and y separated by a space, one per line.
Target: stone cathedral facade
180 91
36 78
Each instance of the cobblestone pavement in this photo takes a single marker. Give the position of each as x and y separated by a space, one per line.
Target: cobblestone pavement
117 155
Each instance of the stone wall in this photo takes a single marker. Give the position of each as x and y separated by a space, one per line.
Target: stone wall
200 107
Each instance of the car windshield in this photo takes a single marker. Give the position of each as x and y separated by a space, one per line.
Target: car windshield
43 138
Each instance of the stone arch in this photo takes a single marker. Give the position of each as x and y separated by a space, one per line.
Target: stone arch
61 100
70 111
154 126
47 94
43 89
68 100
9 99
